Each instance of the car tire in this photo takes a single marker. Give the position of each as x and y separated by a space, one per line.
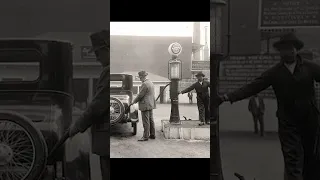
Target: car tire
121 109
134 125
37 140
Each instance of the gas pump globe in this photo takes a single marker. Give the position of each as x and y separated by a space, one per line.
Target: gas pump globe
175 69
175 74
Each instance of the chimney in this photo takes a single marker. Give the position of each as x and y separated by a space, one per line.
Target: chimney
196 33
196 40
206 52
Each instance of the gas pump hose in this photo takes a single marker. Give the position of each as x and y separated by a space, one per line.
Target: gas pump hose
161 92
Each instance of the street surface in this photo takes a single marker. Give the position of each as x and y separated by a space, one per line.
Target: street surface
244 152
124 145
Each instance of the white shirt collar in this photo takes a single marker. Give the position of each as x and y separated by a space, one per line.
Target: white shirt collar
291 66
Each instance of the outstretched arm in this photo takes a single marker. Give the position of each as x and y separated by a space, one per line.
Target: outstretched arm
259 84
190 88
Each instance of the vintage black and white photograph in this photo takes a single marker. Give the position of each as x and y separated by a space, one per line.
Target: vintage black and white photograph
51 56
266 55
159 89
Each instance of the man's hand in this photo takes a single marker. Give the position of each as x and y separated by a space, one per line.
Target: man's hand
73 130
221 99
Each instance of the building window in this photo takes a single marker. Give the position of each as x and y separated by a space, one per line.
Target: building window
135 90
80 92
267 45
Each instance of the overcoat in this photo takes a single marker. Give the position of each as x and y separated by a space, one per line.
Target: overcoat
297 114
97 116
203 99
146 98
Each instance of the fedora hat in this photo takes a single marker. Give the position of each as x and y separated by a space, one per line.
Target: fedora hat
200 74
99 40
142 74
289 39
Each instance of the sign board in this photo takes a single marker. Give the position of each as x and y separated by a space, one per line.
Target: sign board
200 65
289 14
85 53
239 70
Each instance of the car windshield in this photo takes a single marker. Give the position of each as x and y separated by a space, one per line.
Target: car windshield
18 65
116 84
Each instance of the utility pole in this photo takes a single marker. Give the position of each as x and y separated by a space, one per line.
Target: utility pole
216 56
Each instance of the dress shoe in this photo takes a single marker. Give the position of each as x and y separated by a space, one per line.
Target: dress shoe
152 137
143 139
201 124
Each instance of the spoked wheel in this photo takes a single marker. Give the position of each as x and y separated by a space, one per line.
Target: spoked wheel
116 110
23 151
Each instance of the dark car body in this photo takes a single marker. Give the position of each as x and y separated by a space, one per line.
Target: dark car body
121 96
46 101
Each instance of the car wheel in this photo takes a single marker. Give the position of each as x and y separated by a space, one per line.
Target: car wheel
116 110
134 125
23 150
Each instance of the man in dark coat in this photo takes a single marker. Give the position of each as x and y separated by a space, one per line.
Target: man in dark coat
256 107
147 103
190 96
97 113
293 83
203 98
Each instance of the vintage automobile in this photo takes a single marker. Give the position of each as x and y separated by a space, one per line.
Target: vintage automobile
121 96
36 110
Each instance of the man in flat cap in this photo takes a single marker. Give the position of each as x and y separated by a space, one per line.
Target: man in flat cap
202 89
147 103
97 113
293 83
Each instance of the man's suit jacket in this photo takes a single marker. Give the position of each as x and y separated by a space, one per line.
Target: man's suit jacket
97 116
201 90
146 98
254 108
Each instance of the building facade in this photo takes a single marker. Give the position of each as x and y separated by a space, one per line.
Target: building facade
128 53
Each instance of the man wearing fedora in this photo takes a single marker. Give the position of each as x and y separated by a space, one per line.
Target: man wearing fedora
293 83
147 103
202 89
256 107
97 113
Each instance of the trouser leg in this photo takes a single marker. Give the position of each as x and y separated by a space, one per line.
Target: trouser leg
311 166
292 153
255 123
152 126
201 109
105 167
261 123
146 123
